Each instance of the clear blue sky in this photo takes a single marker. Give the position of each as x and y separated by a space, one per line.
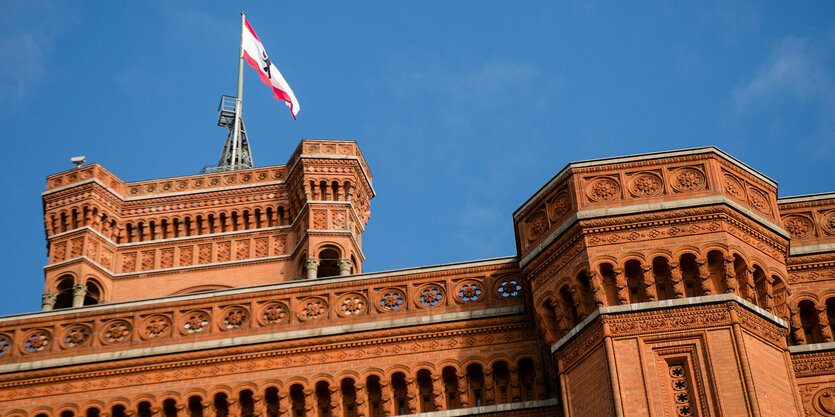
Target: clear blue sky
463 109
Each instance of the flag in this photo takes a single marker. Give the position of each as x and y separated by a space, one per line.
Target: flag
254 53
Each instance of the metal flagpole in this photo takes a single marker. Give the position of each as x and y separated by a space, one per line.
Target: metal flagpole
238 97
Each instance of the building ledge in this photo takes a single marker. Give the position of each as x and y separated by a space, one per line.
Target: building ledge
489 409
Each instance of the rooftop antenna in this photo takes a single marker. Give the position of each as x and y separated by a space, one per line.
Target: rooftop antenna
78 160
236 152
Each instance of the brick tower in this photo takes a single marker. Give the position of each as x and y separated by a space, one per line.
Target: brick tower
112 241
661 287
671 284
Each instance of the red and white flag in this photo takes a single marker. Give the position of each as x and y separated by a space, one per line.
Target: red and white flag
254 53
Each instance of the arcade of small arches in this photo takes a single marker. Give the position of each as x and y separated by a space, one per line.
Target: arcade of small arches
328 263
376 394
634 280
219 221
68 292
813 319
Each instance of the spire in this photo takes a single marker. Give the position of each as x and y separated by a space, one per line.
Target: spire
234 155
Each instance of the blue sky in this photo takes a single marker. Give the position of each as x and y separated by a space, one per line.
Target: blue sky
463 109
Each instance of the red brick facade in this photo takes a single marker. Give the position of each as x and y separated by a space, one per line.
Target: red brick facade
667 284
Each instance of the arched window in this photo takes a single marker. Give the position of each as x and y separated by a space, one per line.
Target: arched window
67 413
426 400
475 378
144 409
375 395
398 388
567 302
349 397
93 412
64 292
195 406
169 408
119 411
450 376
94 294
527 379
830 313
323 399
501 380
690 275
661 272
809 319
271 399
634 281
297 400
247 403
328 262
716 264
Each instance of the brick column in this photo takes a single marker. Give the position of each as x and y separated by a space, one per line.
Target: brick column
797 327
463 389
596 282
78 293
823 320
310 267
704 277
259 408
48 301
344 266
335 400
362 403
283 404
438 391
515 385
677 280
730 275
769 294
489 394
309 403
386 399
411 396
622 287
208 409
648 281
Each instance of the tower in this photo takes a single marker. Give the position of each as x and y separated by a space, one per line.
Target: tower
111 240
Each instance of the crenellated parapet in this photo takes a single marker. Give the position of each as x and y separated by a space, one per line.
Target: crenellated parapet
154 238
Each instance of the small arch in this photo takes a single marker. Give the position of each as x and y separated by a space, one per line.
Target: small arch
297 400
450 378
475 380
328 262
663 284
690 275
634 281
143 409
348 391
607 274
527 379
716 266
375 395
195 406
501 381
94 294
323 399
426 399
568 308
63 292
809 320
399 391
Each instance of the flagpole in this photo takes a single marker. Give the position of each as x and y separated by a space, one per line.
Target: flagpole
238 97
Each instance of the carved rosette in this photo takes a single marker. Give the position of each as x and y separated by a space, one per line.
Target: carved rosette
559 206
234 318
351 305
115 331
156 326
734 187
312 308
5 344
603 189
759 201
76 335
430 295
645 184
798 226
195 321
36 340
688 180
469 292
391 299
828 222
510 286
274 313
537 225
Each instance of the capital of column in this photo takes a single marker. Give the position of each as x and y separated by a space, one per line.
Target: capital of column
310 267
48 300
344 266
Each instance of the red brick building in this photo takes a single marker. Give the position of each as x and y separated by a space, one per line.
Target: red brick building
665 284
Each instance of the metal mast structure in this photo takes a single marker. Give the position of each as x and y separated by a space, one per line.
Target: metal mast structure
236 152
